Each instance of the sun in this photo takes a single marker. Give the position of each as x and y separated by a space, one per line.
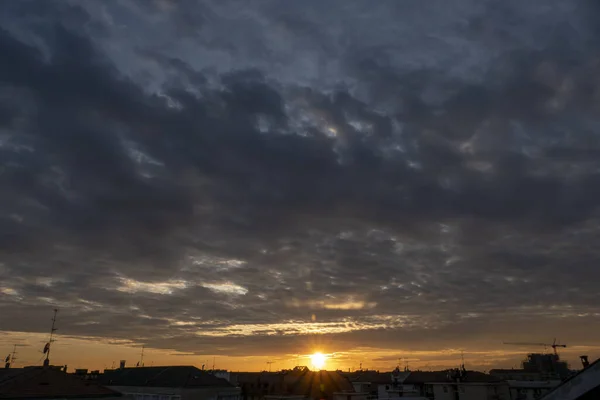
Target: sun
318 360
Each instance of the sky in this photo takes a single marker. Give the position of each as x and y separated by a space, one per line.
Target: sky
255 180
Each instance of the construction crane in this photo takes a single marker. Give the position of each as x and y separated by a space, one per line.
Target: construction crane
553 345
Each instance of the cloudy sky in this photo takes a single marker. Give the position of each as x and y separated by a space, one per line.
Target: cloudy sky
259 179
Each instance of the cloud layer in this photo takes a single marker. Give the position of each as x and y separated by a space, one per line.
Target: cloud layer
227 178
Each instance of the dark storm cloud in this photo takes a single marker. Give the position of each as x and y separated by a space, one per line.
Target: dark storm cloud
188 174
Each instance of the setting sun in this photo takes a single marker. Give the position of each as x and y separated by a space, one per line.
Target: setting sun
318 360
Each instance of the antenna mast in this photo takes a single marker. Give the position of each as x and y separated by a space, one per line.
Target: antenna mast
10 358
142 357
13 356
51 340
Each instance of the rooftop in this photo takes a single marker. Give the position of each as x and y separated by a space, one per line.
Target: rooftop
510 370
297 382
167 376
319 385
444 377
376 376
39 382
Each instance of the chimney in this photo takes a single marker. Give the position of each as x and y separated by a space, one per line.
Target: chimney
584 361
122 364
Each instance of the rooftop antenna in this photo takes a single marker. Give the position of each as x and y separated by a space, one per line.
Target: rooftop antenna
10 359
13 356
51 340
213 363
269 363
142 357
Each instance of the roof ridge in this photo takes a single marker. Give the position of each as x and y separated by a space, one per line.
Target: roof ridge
11 377
155 376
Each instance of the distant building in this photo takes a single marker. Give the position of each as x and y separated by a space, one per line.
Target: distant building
548 364
257 385
168 383
349 396
537 367
221 373
50 383
383 385
456 384
284 397
530 390
540 373
520 375
297 384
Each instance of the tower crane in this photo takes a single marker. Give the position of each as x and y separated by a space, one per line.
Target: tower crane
553 345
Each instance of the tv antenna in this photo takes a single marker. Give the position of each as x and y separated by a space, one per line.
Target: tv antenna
51 340
13 356
269 363
10 358
141 363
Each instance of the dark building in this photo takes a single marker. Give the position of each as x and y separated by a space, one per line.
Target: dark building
299 382
168 383
549 363
379 384
537 367
257 385
456 384
49 383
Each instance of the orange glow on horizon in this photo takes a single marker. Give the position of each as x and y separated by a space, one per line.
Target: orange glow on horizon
97 353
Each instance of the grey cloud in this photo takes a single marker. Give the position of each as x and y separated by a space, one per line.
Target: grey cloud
145 187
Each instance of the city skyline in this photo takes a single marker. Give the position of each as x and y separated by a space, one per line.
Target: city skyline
102 353
252 180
